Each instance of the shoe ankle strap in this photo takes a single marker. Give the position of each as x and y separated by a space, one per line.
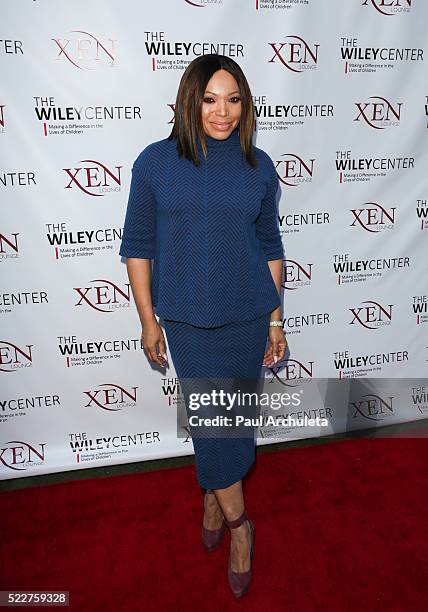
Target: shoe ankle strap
237 522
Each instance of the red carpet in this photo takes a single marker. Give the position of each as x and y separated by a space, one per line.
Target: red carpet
340 526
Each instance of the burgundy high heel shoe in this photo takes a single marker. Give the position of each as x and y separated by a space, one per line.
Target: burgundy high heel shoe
239 582
212 538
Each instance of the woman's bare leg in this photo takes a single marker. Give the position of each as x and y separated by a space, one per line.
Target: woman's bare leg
231 501
213 516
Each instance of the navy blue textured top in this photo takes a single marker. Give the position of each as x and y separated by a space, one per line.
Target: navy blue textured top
210 230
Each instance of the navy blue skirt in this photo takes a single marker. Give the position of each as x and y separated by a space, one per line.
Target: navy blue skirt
232 351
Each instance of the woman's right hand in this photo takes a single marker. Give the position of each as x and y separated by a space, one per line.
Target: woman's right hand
153 338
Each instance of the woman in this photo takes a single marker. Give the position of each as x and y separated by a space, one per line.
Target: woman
202 205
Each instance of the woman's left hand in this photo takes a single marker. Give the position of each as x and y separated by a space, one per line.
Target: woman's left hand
277 346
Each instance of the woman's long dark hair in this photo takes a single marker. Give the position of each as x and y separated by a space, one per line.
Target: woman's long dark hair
188 119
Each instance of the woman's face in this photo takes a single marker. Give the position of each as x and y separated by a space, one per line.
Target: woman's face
221 105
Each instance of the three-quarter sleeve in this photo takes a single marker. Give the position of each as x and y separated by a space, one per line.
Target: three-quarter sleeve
267 226
139 230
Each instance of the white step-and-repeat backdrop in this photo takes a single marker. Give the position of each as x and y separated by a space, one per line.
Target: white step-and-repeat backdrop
340 91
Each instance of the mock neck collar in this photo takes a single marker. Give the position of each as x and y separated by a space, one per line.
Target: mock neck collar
232 141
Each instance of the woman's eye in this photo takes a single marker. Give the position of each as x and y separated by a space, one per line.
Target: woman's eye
234 99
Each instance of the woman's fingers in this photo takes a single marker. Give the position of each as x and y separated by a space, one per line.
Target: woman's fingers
152 339
154 356
277 347
267 357
150 350
275 350
162 348
282 345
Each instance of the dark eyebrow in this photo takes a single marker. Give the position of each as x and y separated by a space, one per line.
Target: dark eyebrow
232 92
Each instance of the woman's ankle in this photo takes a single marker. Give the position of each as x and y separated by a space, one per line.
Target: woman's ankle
241 533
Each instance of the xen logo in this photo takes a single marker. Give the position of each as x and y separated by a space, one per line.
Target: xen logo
372 316
374 218
112 397
108 295
95 179
293 170
389 7
13 358
295 275
378 114
21 455
293 370
373 407
7 246
85 52
295 54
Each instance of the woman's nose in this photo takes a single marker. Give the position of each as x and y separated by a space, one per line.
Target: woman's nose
221 108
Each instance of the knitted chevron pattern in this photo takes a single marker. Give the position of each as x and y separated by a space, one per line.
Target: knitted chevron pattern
209 229
219 358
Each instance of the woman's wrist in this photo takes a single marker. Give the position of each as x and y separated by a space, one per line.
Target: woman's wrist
147 315
148 324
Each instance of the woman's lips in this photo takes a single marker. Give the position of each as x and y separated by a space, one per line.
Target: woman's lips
222 127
